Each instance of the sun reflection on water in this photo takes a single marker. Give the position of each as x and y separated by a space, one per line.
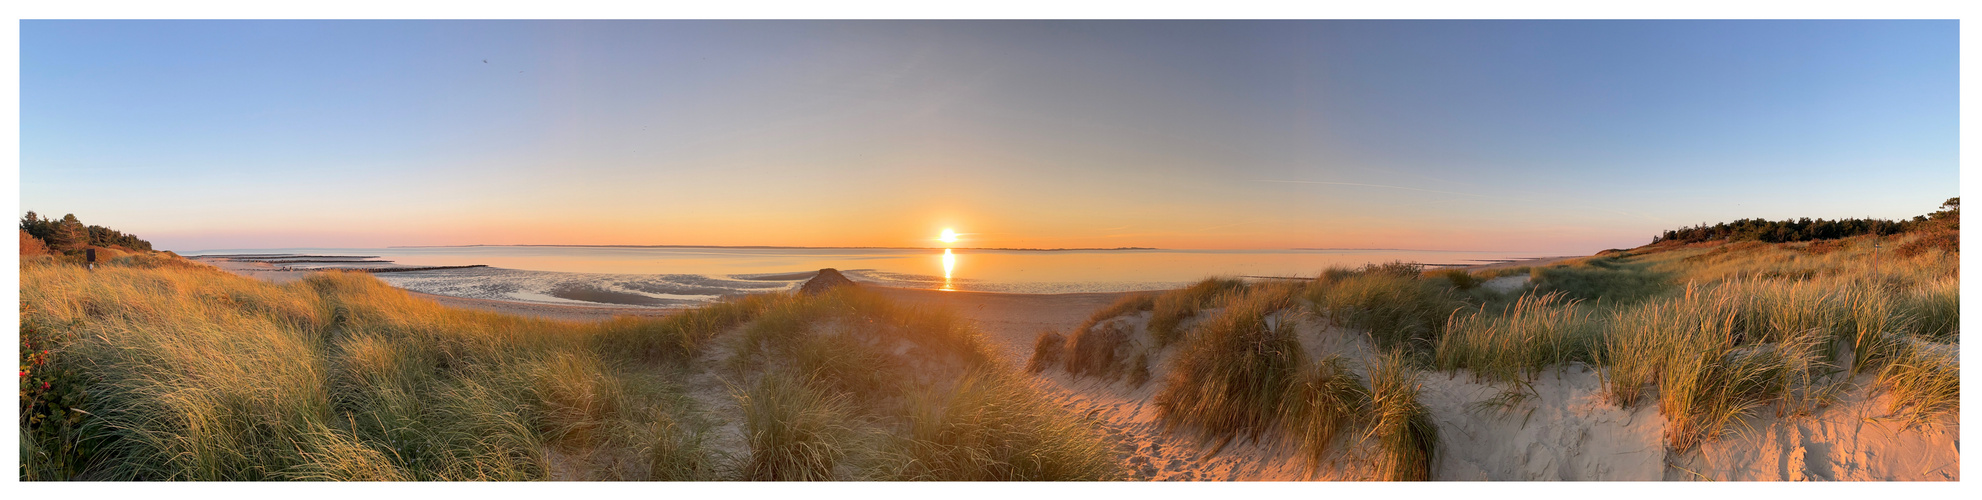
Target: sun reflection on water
949 267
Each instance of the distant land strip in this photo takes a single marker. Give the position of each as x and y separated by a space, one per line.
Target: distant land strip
766 247
1399 250
264 257
407 269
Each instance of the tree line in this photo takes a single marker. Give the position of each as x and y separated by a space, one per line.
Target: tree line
1806 229
69 234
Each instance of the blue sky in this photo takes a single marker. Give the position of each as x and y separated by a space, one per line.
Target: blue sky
1561 136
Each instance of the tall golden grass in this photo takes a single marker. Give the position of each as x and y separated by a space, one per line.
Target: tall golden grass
190 373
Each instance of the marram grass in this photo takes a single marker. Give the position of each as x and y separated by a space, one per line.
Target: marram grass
185 372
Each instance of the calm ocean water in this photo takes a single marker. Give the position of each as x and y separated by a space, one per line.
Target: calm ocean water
682 275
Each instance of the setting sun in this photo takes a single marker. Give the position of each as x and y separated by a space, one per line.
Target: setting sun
949 235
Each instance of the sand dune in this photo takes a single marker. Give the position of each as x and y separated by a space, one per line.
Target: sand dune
1564 431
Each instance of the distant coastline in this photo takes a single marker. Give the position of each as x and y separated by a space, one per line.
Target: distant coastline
769 247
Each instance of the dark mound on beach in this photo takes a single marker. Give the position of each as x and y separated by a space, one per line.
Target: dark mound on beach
827 279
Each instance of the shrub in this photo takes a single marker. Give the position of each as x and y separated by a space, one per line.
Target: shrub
32 246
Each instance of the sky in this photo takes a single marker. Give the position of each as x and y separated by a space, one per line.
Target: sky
1543 136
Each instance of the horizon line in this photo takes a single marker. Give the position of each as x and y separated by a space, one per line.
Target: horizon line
789 247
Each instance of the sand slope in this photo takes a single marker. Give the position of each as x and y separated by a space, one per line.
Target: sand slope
1561 431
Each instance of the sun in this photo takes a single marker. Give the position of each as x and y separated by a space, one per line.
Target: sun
949 235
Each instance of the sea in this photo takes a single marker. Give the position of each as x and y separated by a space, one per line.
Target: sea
681 276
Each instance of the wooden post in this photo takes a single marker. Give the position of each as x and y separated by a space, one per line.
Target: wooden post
89 256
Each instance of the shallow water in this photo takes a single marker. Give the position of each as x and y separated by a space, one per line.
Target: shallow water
680 275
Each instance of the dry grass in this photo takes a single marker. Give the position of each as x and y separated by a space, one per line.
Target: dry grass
1392 303
797 431
1230 378
192 373
1516 343
1323 409
1171 309
1406 438
1925 382
1101 351
1047 350
993 427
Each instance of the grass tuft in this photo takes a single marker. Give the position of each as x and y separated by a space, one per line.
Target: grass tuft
1047 350
1322 408
1230 379
1171 309
1396 307
797 432
1101 351
991 427
1402 427
1925 382
1535 332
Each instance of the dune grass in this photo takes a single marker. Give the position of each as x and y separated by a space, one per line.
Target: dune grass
1171 309
992 427
1406 438
196 374
682 336
1612 279
179 371
1514 344
1047 351
797 430
1710 366
1129 304
1461 279
1229 379
1100 351
1324 408
1393 303
1924 380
